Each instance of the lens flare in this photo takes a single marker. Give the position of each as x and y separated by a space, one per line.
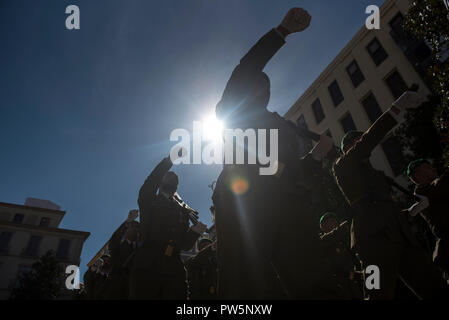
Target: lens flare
239 186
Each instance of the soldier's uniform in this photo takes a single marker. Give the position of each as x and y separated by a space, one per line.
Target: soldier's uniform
90 280
158 272
268 244
437 215
202 274
344 263
380 234
122 255
103 283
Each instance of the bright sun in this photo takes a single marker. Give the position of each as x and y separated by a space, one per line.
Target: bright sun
212 129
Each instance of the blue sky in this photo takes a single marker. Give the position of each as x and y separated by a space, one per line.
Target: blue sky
85 115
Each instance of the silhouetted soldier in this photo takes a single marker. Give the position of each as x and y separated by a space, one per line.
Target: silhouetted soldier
434 206
158 272
265 231
380 233
102 283
345 264
122 246
90 279
202 272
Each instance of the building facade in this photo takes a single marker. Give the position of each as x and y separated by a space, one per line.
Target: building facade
26 233
371 72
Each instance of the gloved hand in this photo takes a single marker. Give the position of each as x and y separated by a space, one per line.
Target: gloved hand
323 147
296 20
409 100
419 206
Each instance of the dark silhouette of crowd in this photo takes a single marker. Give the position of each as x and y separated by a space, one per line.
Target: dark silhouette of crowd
269 242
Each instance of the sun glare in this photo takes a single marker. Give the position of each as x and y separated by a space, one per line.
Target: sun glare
212 129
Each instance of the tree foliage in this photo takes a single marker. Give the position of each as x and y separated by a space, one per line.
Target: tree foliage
429 20
418 135
43 282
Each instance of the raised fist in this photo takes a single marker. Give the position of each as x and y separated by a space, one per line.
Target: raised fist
324 146
419 206
296 20
409 100
132 215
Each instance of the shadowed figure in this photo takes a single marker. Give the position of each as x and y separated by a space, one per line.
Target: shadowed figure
268 245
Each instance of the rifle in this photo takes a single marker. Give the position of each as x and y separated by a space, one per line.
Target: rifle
191 213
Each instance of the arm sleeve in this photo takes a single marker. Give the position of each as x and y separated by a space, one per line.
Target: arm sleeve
188 240
148 190
371 138
251 65
114 244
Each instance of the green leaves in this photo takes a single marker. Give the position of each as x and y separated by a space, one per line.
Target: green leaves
429 20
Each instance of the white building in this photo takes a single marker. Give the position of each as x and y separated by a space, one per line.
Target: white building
26 233
371 71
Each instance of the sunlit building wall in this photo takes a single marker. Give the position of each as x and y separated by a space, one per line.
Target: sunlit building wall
28 232
363 80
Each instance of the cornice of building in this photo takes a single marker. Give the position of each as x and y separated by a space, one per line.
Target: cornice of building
28 227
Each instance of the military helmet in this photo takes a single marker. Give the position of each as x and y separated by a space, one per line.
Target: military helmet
327 215
412 166
349 138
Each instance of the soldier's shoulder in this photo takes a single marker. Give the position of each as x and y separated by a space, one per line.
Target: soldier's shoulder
337 164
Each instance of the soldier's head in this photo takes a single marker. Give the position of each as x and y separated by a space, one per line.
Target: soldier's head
203 243
328 222
106 262
256 100
349 139
169 183
421 172
97 265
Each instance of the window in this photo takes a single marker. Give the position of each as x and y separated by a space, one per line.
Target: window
45 222
347 123
372 107
301 122
393 152
336 95
418 49
396 84
33 246
396 25
18 218
377 52
318 111
5 238
355 74
63 249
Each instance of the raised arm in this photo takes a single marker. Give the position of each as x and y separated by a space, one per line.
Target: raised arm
148 190
371 138
251 65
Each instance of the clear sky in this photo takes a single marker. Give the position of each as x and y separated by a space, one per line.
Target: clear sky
85 115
